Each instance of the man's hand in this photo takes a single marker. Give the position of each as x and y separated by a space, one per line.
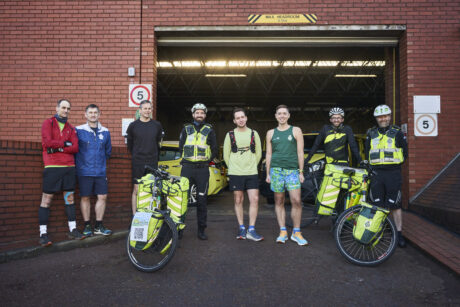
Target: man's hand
363 163
301 177
267 180
54 150
67 143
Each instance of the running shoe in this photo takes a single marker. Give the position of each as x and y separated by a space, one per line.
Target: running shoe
75 235
44 240
298 238
401 241
241 234
101 230
254 236
282 238
88 232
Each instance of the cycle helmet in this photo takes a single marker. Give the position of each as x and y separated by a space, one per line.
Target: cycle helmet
336 111
199 106
382 109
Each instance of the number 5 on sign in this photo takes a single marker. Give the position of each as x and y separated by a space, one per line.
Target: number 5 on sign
139 92
426 124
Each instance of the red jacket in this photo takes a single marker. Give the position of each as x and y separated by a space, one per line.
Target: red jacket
53 137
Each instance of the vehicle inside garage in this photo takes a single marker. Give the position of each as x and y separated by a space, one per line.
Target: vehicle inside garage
259 76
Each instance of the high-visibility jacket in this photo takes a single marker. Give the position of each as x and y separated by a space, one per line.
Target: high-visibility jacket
196 148
383 150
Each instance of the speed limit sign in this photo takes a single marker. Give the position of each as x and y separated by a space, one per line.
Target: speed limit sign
426 124
139 92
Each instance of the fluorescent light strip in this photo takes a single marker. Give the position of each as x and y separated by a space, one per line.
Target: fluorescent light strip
226 75
244 64
355 76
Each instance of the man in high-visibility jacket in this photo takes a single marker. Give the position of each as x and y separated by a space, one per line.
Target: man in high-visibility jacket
386 150
198 147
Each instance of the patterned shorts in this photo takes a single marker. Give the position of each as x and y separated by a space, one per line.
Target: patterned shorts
284 179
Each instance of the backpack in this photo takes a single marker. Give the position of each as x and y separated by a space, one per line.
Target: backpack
252 145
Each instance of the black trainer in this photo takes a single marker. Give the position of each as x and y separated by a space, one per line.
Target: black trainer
401 241
44 240
75 235
201 234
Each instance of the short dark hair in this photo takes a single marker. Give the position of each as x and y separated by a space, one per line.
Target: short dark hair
235 110
91 106
282 106
144 102
61 100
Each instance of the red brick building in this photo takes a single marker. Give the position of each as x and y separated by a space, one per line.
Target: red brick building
81 50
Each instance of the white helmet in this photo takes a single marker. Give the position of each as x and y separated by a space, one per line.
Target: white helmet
199 106
336 111
382 109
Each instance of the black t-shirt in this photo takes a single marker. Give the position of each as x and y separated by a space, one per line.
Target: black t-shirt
143 140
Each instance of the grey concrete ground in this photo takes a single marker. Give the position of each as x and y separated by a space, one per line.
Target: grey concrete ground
227 272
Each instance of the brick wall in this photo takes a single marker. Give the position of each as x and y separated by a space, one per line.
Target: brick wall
21 189
81 50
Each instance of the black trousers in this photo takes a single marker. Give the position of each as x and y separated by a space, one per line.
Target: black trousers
385 188
200 177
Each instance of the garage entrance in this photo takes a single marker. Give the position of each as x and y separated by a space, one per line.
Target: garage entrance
260 68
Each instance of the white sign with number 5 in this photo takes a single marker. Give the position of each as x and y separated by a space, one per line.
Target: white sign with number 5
139 92
426 124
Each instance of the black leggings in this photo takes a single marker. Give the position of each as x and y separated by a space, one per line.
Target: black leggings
200 177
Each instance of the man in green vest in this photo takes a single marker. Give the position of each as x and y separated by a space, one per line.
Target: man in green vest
386 150
242 153
198 147
336 138
284 160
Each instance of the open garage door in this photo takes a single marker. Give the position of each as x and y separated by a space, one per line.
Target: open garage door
260 70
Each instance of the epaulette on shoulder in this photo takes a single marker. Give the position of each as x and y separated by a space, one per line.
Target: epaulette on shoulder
395 127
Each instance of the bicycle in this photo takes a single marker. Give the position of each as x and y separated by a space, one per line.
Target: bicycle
351 188
153 236
381 246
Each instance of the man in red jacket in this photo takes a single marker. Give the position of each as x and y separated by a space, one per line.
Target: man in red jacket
60 143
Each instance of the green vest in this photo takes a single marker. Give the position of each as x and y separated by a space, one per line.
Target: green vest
196 148
284 149
383 147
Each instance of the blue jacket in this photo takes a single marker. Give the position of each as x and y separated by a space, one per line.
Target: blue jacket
93 150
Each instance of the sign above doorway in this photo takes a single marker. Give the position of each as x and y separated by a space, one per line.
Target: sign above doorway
283 18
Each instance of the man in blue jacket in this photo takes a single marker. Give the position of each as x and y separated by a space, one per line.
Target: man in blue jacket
95 148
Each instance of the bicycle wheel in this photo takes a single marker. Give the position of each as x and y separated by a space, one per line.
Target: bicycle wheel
159 253
308 215
372 254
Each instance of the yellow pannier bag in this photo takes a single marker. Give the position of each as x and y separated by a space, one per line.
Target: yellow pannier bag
336 178
177 199
369 222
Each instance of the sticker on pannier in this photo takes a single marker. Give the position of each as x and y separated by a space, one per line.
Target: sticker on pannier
369 222
145 228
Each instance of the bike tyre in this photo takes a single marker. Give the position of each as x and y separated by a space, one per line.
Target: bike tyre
343 230
153 251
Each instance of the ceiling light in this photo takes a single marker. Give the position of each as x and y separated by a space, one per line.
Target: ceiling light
226 75
355 76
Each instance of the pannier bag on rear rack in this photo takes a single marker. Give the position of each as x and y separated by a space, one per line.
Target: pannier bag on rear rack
334 180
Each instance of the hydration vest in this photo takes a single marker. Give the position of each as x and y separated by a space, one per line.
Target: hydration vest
196 148
252 145
383 149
